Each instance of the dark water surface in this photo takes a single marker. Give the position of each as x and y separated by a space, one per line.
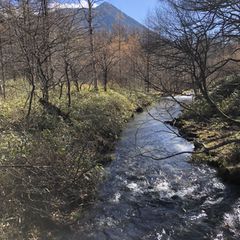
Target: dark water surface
146 199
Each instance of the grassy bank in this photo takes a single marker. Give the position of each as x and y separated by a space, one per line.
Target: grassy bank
51 166
216 141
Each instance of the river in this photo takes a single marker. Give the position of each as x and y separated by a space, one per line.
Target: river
143 198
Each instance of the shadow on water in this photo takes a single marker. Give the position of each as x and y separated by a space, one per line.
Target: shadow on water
147 199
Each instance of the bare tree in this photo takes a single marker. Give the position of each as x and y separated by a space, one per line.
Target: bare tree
89 15
107 55
227 11
189 45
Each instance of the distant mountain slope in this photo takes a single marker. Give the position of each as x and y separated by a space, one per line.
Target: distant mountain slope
106 16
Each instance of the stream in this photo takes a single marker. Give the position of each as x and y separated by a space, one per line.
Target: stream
144 198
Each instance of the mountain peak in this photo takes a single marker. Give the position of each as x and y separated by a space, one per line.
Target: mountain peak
109 15
106 4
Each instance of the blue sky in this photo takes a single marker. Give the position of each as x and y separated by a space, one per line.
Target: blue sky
138 9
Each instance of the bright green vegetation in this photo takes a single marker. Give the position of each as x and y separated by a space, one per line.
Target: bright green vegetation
212 131
50 166
226 94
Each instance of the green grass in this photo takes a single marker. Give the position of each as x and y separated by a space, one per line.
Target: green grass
59 165
226 94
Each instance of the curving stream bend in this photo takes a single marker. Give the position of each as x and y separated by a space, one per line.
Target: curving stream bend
146 199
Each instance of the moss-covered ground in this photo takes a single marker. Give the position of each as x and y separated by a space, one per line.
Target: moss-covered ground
217 141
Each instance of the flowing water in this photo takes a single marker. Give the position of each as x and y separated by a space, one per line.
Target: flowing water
145 198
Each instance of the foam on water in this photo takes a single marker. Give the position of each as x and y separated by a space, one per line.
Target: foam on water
201 215
134 187
232 221
116 198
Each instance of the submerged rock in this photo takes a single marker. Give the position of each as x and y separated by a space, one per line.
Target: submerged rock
139 109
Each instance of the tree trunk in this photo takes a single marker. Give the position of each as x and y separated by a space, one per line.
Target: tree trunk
147 83
3 85
31 100
105 80
68 84
61 90
92 48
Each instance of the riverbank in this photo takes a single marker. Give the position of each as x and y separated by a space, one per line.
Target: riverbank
216 141
207 136
51 165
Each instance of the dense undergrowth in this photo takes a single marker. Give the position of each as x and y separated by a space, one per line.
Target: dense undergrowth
211 130
50 167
